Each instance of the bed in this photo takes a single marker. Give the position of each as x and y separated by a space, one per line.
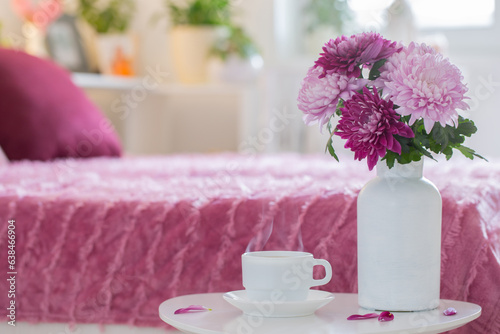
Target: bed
106 240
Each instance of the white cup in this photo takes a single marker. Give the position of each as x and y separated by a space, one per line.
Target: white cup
281 275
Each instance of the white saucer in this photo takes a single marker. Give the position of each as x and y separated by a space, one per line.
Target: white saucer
268 309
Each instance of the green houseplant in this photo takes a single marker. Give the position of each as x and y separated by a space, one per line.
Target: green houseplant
113 16
113 48
236 57
199 12
326 13
235 42
323 19
196 25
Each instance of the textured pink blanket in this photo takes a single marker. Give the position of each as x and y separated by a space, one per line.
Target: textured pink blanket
107 240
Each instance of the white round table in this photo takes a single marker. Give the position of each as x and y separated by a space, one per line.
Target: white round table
332 318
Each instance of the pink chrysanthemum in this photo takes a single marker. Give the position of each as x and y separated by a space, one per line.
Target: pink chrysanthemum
344 55
369 124
424 85
318 97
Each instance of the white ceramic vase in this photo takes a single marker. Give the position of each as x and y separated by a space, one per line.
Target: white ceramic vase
399 240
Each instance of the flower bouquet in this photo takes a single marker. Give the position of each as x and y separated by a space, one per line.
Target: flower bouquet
395 103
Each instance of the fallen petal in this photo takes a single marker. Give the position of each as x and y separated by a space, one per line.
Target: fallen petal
362 316
192 308
386 316
450 311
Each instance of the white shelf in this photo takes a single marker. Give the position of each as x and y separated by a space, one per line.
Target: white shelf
109 82
165 117
98 81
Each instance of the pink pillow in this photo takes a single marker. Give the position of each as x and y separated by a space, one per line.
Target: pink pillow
44 116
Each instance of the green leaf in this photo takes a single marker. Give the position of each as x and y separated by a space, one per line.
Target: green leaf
390 158
200 12
440 136
331 150
466 127
405 143
115 17
421 143
447 136
340 104
469 152
329 143
426 153
448 152
415 155
375 70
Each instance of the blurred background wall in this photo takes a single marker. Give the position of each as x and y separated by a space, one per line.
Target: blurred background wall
260 114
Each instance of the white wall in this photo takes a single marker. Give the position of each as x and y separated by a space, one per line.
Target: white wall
174 118
475 51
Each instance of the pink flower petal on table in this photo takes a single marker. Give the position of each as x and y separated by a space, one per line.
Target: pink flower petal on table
362 316
450 311
386 316
192 308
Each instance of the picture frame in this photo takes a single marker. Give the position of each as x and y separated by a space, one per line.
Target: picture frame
65 46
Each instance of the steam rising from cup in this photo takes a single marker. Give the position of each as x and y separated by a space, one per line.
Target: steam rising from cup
280 230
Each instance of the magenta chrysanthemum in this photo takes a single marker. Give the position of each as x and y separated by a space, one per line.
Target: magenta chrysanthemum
344 55
318 97
407 89
369 124
424 85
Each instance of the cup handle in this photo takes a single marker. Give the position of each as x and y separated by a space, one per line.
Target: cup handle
328 272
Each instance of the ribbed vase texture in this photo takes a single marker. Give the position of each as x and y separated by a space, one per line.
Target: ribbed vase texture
399 240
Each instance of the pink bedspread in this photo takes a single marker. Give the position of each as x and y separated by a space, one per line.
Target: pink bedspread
107 240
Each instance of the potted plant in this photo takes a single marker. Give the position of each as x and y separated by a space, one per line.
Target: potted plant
196 26
323 19
235 57
110 20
